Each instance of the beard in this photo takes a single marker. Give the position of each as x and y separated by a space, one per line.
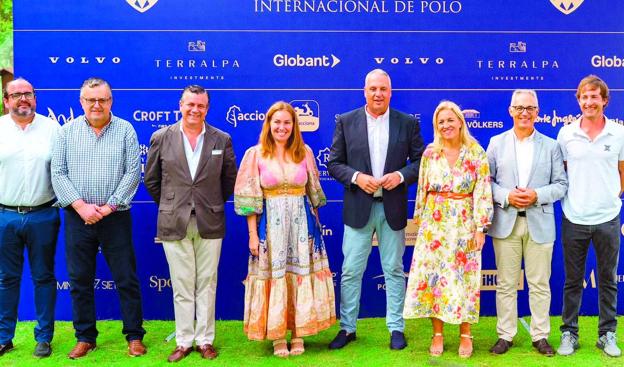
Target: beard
23 112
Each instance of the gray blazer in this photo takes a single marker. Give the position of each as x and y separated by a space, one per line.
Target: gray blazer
168 181
548 178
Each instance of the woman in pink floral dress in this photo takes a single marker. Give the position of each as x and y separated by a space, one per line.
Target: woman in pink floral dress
453 210
289 285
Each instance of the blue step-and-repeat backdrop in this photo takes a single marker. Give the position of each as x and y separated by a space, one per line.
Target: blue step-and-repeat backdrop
315 54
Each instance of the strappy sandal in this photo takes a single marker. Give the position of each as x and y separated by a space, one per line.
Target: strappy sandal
465 352
280 348
437 351
296 346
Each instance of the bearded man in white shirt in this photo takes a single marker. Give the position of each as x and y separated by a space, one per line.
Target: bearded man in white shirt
27 218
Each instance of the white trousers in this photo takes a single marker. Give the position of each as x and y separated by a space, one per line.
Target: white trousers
537 265
193 263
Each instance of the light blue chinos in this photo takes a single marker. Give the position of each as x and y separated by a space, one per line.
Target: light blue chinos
356 247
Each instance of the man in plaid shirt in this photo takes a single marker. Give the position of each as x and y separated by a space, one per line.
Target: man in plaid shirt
95 174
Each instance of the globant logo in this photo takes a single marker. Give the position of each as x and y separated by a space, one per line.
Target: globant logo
601 61
235 115
284 60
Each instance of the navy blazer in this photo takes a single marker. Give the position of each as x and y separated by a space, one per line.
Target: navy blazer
350 153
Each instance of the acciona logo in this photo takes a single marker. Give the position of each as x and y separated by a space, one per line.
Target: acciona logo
235 115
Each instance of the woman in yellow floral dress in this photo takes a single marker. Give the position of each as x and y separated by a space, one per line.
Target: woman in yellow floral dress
289 285
453 210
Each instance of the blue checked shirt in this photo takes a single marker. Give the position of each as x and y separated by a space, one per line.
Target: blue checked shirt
100 170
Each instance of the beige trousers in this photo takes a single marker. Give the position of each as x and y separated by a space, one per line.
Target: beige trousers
193 263
537 264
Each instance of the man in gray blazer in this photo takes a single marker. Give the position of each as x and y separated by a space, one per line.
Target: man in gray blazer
190 173
528 176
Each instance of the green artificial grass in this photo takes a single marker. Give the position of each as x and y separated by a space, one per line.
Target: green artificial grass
370 348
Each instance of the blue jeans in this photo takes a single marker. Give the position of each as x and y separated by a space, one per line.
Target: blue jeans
606 240
36 231
356 247
113 234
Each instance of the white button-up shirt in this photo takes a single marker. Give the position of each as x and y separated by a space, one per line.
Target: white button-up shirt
524 158
378 135
25 161
193 156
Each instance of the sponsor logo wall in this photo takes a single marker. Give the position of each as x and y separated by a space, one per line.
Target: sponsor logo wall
313 54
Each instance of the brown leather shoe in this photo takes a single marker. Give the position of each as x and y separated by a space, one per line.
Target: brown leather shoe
81 349
136 348
544 348
501 346
179 353
207 351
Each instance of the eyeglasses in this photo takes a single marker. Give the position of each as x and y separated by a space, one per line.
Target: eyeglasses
520 109
93 101
18 96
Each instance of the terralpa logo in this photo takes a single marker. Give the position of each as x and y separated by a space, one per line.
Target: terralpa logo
142 5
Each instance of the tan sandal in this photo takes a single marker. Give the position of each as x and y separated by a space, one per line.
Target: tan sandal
280 348
296 346
465 352
437 351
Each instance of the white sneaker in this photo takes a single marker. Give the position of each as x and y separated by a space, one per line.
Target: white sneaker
608 344
569 344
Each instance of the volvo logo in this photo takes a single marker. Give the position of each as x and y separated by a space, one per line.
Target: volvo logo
408 60
84 60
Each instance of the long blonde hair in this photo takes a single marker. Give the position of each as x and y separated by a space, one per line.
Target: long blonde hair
295 147
466 138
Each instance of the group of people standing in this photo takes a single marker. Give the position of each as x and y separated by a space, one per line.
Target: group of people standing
91 167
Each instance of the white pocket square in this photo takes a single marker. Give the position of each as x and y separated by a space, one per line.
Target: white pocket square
217 152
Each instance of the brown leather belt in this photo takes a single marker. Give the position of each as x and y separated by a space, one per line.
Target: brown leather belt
450 195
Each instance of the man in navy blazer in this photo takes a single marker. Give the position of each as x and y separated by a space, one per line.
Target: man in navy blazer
369 153
528 176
